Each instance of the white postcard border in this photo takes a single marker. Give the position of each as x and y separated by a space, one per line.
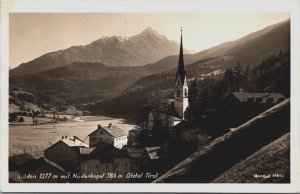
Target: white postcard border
215 6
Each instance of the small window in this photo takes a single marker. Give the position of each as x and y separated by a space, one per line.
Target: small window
185 92
270 100
101 132
259 99
178 93
250 99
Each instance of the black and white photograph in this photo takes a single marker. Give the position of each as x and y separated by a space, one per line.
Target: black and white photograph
145 97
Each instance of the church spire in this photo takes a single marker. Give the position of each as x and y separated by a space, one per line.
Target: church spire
180 71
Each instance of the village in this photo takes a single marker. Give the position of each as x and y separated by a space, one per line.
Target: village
170 135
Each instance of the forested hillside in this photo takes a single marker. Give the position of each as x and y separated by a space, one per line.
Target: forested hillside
271 75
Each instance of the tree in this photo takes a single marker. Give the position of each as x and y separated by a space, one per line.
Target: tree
228 80
237 73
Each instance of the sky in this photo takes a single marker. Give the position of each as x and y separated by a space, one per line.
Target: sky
34 34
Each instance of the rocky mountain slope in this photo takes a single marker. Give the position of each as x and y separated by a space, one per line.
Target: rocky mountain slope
143 48
249 50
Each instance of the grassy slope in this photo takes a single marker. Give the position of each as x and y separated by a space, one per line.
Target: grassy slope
209 162
269 160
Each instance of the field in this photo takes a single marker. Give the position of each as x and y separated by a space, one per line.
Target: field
33 139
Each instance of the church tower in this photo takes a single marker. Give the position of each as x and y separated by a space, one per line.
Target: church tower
181 101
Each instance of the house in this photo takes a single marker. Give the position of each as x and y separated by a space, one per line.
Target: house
42 170
241 106
65 152
105 159
133 136
190 132
256 98
110 134
137 155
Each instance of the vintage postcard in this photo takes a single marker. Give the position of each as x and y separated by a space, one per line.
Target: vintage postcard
148 96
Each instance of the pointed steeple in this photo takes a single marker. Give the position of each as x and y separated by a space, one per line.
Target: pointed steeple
180 71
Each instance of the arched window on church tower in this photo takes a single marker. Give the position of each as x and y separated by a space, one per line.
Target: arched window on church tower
185 92
178 93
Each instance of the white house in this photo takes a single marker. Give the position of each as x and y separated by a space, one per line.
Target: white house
110 134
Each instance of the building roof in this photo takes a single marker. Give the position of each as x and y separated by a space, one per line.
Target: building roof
16 161
153 152
112 130
36 163
187 125
73 142
183 125
85 150
105 152
135 152
180 71
259 97
174 114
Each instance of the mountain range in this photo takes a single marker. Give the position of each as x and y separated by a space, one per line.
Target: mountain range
250 50
146 47
92 73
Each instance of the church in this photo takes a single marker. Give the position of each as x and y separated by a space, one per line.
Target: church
180 103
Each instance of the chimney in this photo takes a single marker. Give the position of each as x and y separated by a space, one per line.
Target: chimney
99 126
62 137
109 125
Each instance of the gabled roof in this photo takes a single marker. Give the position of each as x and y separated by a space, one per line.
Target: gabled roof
36 163
153 152
187 125
174 114
258 97
135 152
18 160
184 125
73 143
86 150
105 152
112 130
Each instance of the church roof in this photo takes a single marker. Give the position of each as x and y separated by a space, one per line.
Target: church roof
180 71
